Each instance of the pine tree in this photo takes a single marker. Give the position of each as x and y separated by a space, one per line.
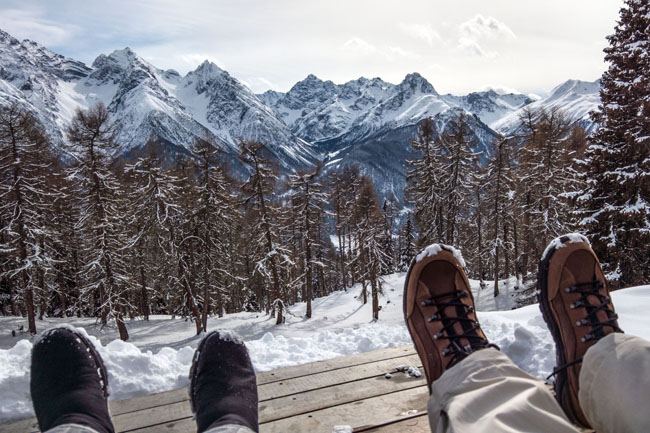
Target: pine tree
618 157
498 195
307 200
214 214
458 174
24 201
424 179
91 137
370 229
545 180
257 191
154 208
407 245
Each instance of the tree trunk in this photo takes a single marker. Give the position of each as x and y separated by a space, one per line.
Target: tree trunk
144 296
190 300
121 327
375 295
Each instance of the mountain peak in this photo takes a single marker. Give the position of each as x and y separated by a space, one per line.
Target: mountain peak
312 78
208 68
416 82
7 38
575 86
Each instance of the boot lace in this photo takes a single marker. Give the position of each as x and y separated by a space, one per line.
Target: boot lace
587 289
456 349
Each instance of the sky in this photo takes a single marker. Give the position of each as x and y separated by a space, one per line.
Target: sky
459 46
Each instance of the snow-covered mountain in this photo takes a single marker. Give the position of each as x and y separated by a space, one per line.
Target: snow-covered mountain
146 101
575 98
365 121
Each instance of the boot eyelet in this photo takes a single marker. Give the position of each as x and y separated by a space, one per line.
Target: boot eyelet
432 318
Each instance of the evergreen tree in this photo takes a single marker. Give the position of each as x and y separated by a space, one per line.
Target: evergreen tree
498 197
24 201
424 179
91 137
407 245
213 215
307 200
370 228
154 208
545 180
458 174
618 158
258 189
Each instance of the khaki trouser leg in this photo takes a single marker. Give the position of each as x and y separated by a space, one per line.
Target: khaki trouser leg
615 384
487 392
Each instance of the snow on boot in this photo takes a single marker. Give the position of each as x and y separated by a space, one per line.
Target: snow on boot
69 383
223 387
576 306
439 310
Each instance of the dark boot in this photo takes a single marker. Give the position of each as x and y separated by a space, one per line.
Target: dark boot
223 387
576 306
439 311
69 383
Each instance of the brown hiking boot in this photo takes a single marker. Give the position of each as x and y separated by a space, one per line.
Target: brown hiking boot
439 310
576 306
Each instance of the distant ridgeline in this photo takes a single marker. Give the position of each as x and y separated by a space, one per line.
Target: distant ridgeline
366 121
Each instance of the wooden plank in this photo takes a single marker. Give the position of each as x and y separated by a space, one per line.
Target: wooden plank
362 414
329 378
310 401
416 424
334 364
28 425
327 391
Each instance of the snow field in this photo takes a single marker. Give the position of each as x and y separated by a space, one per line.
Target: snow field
159 354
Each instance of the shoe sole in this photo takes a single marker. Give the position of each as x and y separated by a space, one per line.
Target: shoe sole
544 305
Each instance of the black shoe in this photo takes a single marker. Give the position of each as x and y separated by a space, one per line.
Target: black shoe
69 383
223 387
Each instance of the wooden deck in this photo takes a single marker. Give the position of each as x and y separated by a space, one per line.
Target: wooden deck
309 398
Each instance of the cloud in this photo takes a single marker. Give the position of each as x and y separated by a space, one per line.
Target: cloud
473 48
30 24
359 45
258 84
424 32
501 90
481 26
400 52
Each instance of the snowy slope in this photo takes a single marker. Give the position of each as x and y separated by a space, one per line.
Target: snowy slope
490 106
574 97
160 351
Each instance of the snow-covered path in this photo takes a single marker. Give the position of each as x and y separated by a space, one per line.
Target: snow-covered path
159 353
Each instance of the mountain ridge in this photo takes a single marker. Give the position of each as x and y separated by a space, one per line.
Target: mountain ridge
366 121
